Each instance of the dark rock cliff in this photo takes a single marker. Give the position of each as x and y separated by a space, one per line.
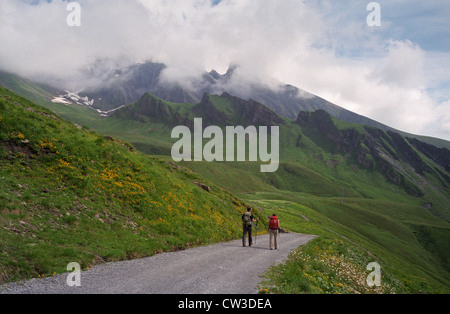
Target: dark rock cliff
375 149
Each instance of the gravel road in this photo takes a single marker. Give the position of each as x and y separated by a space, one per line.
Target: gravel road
224 268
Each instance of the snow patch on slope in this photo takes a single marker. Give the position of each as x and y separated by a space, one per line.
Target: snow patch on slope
72 98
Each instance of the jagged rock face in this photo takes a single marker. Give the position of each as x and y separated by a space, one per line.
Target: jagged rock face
320 124
439 155
211 115
253 112
244 113
371 150
256 114
249 113
153 108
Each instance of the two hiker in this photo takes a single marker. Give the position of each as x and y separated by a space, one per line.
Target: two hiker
274 226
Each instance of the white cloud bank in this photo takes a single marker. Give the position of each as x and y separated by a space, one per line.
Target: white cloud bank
323 47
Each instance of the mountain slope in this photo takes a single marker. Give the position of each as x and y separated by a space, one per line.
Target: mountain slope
36 92
70 194
121 86
377 186
124 86
418 168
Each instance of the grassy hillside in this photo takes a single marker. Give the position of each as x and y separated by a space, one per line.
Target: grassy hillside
70 194
350 237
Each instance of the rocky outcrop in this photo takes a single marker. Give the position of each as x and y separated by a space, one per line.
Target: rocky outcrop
242 112
254 113
203 186
374 150
441 156
210 113
152 107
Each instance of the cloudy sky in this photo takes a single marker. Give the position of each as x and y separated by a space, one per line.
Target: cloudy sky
396 73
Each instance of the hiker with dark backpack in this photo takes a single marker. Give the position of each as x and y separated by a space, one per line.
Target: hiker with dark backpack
247 224
274 226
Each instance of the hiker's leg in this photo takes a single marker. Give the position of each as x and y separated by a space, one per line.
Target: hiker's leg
250 239
275 234
271 239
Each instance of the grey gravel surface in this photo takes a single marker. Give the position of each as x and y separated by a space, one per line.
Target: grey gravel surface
224 268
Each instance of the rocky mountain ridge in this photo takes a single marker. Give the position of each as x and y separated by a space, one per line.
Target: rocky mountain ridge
403 161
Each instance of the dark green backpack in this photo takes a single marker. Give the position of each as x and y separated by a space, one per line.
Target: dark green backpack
247 219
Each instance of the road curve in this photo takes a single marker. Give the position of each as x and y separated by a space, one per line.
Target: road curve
224 268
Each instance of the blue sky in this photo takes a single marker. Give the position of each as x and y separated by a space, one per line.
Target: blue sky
425 22
396 73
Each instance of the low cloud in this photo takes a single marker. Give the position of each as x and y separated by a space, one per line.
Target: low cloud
323 47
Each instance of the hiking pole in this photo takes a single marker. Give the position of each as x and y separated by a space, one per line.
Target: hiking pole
256 229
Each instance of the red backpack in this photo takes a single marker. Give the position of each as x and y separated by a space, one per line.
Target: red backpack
273 223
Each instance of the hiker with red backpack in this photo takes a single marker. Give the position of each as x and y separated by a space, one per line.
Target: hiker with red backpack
274 226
